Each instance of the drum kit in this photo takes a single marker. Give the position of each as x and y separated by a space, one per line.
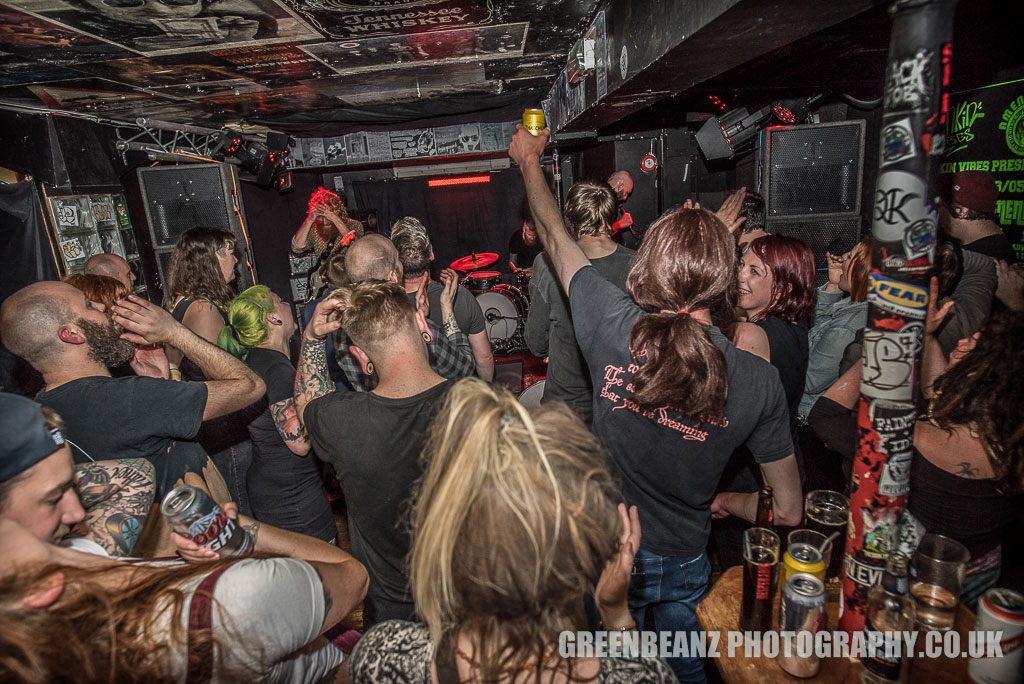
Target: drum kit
504 306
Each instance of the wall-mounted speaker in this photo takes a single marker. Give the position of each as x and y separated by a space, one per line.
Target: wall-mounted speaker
814 170
166 201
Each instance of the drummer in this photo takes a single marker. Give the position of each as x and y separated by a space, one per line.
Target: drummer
415 252
524 246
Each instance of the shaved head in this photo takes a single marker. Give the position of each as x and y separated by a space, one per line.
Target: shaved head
622 184
30 318
113 266
373 257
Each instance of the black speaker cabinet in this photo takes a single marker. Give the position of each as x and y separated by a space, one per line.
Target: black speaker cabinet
814 170
836 234
166 201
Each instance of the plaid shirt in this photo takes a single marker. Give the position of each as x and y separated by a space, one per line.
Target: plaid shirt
450 357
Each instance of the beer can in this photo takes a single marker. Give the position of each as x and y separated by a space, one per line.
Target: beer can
1000 610
193 514
533 120
802 557
802 609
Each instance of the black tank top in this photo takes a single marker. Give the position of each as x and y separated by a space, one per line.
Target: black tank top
787 344
189 370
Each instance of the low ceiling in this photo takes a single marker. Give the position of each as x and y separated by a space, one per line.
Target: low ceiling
212 62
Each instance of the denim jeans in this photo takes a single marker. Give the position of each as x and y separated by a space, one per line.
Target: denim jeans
672 587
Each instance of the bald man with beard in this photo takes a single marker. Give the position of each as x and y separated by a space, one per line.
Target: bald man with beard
73 344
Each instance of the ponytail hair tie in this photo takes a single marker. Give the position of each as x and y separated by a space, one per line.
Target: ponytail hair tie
682 311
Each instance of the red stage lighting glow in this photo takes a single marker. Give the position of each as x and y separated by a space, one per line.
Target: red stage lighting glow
464 180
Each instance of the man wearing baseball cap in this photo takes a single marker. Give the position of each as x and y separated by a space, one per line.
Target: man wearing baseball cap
968 214
40 488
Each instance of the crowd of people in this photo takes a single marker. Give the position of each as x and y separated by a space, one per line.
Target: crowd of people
684 372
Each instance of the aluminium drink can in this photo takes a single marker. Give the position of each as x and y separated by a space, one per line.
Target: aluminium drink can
802 609
1000 610
803 557
533 120
193 514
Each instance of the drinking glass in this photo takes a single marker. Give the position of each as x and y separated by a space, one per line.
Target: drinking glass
826 511
937 577
760 559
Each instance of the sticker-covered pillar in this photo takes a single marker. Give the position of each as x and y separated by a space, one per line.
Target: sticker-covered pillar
903 226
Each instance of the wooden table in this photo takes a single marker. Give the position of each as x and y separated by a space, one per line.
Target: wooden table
720 611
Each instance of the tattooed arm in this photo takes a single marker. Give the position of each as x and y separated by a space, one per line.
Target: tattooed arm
312 379
117 497
287 423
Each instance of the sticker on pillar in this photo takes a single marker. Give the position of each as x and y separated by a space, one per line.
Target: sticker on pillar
897 142
894 424
879 531
902 220
909 534
896 296
909 82
889 362
623 63
1013 124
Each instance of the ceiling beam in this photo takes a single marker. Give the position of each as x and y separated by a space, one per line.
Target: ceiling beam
652 50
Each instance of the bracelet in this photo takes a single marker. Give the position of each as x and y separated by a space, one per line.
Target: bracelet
175 374
311 340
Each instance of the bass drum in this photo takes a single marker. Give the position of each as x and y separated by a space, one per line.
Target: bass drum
532 395
504 308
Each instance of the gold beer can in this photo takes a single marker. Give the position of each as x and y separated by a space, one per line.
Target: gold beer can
533 120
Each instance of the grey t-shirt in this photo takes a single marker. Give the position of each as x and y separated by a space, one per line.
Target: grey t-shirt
549 330
669 464
468 314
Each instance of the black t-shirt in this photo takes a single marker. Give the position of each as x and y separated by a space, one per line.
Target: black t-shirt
668 464
374 444
285 490
134 417
467 310
969 511
549 330
787 345
995 246
520 253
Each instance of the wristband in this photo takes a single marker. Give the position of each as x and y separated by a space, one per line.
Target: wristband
312 340
175 374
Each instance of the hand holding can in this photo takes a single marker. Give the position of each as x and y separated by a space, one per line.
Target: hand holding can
191 512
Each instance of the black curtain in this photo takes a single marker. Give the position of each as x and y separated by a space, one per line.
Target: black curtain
27 258
461 219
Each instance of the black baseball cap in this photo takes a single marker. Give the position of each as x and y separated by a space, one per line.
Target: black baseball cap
24 439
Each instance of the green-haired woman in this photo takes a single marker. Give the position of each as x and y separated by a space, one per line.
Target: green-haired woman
285 484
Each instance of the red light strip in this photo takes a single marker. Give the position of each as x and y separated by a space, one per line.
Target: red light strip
465 180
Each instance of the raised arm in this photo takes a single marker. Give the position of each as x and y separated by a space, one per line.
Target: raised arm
231 386
312 379
566 256
300 241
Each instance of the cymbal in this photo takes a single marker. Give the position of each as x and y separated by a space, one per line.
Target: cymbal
474 261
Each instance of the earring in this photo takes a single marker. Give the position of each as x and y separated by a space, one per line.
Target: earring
426 337
369 367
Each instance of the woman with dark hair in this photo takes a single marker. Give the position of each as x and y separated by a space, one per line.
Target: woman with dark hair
673 398
967 471
515 518
199 290
776 292
837 319
284 483
72 616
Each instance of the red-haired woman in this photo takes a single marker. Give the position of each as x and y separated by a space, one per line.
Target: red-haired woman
673 397
776 291
837 319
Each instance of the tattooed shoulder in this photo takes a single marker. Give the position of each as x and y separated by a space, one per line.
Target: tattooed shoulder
968 470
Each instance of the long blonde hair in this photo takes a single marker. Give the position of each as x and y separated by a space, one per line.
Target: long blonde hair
515 519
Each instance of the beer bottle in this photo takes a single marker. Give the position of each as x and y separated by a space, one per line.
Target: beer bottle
890 611
765 517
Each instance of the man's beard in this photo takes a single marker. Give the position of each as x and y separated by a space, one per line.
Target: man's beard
105 343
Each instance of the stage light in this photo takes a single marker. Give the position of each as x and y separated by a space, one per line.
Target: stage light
465 180
717 102
720 137
791 112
